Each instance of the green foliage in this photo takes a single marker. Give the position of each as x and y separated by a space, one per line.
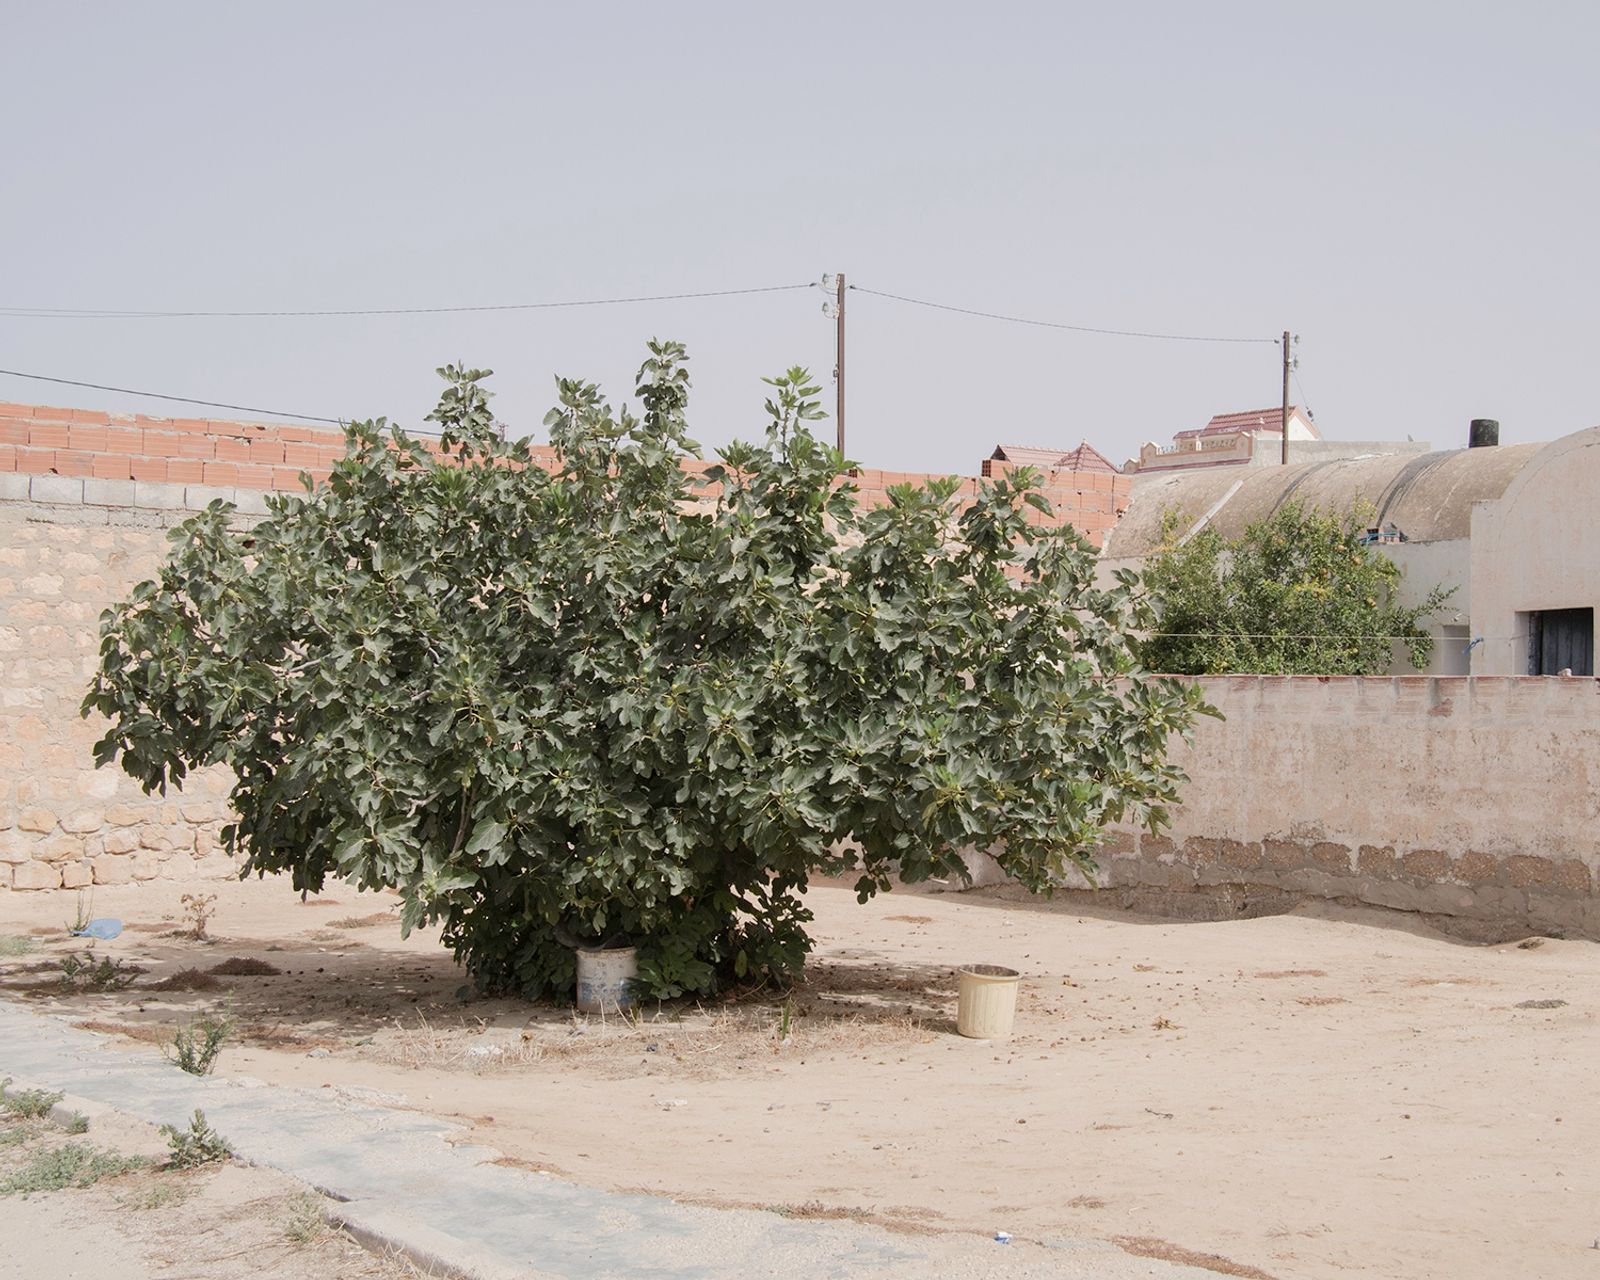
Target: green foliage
105 974
15 944
27 1104
1298 593
195 1047
558 706
197 1145
77 1164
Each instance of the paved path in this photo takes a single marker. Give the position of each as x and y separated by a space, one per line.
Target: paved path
401 1181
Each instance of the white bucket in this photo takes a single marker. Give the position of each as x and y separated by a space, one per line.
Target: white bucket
605 978
986 1002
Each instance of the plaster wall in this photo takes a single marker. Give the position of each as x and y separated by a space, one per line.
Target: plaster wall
1476 798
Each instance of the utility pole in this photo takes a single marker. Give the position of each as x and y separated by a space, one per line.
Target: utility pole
838 366
1285 442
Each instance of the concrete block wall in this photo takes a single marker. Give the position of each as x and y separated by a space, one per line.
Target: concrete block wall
1470 797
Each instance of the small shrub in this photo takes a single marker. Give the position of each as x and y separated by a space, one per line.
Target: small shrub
13 1137
27 1104
75 1165
198 909
304 1221
195 1047
12 944
106 974
75 1123
197 1145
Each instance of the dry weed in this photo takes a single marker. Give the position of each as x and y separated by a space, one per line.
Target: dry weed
361 922
245 967
186 980
696 1037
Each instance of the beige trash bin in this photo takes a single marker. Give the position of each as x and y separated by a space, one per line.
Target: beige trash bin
986 1001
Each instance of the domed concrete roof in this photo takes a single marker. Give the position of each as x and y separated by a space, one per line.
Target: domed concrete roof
1428 497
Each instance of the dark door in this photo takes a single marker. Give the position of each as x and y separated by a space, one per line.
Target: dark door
1563 640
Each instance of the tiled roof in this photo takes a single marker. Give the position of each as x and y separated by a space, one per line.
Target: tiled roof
1085 458
1027 455
1229 424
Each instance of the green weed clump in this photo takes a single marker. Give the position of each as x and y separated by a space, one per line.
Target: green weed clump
75 1165
14 944
194 1048
27 1104
197 1145
105 975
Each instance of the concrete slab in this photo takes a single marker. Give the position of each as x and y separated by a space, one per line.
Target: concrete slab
402 1183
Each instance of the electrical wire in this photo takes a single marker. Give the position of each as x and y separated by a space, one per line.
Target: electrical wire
70 313
1054 324
1297 635
1304 398
74 313
156 395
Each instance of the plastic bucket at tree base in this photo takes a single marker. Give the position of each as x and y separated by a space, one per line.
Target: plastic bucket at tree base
605 978
986 1001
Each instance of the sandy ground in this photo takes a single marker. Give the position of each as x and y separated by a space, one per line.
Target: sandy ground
222 1221
1312 1095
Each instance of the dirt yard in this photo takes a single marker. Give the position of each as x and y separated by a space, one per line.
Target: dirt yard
1294 1096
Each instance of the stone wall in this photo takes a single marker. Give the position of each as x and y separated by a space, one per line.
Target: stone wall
1472 799
64 823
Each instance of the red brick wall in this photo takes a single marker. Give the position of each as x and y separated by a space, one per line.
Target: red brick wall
41 439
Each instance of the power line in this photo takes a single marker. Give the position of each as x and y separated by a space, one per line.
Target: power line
1298 635
156 395
74 313
1054 324
1303 396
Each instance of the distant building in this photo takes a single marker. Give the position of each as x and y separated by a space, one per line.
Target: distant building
1254 438
1513 529
1084 458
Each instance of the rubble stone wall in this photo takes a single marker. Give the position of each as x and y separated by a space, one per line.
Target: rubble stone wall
64 823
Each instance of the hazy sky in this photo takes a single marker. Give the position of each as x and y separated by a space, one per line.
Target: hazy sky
1411 188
